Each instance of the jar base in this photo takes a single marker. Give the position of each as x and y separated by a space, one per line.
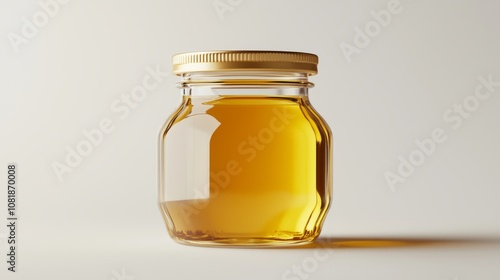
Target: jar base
242 243
250 242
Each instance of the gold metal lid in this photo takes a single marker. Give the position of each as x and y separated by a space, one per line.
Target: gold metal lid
241 60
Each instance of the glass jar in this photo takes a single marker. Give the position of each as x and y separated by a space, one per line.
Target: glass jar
245 160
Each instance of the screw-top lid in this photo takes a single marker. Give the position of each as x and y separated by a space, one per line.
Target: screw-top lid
241 60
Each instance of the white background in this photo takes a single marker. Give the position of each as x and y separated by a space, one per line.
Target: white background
102 221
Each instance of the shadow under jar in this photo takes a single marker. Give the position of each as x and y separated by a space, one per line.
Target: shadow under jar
245 160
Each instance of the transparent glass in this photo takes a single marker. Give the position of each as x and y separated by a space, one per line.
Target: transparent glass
245 160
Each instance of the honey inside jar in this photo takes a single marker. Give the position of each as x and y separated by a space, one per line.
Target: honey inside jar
244 161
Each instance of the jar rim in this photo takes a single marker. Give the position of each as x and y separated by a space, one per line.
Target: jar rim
245 60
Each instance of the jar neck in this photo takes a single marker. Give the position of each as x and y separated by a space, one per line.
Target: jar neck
244 83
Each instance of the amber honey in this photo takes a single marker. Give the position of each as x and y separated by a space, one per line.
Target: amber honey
269 177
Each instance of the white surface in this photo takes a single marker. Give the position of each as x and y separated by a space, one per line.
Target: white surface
103 217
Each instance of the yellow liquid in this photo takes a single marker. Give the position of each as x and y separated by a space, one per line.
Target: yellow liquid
270 173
